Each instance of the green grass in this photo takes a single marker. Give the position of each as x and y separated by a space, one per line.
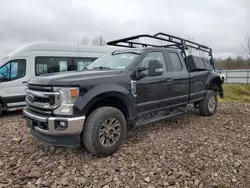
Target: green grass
236 93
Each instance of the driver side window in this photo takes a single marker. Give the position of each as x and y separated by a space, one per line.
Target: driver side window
151 56
13 70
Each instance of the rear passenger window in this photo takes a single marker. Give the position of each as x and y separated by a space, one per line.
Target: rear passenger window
45 65
81 63
175 61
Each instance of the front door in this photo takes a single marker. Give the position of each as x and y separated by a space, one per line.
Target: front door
153 92
13 80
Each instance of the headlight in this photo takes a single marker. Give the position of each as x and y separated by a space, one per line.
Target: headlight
67 100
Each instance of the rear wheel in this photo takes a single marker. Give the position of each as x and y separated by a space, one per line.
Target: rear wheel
208 106
105 131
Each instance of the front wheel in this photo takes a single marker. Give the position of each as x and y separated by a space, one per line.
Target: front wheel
104 131
1 109
208 106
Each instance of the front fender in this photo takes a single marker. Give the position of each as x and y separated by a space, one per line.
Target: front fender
82 103
3 102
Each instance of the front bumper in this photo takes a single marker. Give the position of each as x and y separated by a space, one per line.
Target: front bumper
47 129
66 141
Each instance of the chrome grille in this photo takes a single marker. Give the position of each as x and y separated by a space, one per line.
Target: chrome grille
40 111
42 99
40 88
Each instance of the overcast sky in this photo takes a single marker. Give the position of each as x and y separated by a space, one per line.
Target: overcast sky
220 24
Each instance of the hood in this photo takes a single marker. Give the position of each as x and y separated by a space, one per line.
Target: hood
67 78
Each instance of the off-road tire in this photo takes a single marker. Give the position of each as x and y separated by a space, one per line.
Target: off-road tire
91 138
204 106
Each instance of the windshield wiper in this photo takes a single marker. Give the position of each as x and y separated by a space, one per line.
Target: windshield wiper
102 67
85 68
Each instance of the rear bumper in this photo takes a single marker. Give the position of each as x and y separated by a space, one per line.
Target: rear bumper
57 131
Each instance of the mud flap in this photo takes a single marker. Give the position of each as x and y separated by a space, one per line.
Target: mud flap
221 93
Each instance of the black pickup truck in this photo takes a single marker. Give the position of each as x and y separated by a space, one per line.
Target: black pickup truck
129 87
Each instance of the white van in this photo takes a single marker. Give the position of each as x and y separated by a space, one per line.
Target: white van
38 59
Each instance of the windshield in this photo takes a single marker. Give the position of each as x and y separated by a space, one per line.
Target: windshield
114 61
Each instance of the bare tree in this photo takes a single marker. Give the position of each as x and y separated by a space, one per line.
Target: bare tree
139 40
202 53
84 41
246 46
99 41
190 50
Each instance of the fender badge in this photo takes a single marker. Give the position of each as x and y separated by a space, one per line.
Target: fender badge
133 88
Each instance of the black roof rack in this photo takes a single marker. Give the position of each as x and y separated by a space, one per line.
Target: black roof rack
178 42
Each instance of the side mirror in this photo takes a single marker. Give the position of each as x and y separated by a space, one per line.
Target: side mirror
3 79
155 68
139 72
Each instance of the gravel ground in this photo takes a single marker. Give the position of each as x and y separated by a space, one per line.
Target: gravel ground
189 151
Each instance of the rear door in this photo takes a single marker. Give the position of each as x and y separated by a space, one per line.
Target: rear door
180 78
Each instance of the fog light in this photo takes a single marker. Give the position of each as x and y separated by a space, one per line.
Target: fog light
61 125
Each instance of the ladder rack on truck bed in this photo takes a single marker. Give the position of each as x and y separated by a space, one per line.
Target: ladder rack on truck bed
175 42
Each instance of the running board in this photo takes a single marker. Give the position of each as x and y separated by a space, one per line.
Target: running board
143 121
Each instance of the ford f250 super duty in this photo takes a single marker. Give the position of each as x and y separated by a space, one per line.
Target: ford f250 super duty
129 87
